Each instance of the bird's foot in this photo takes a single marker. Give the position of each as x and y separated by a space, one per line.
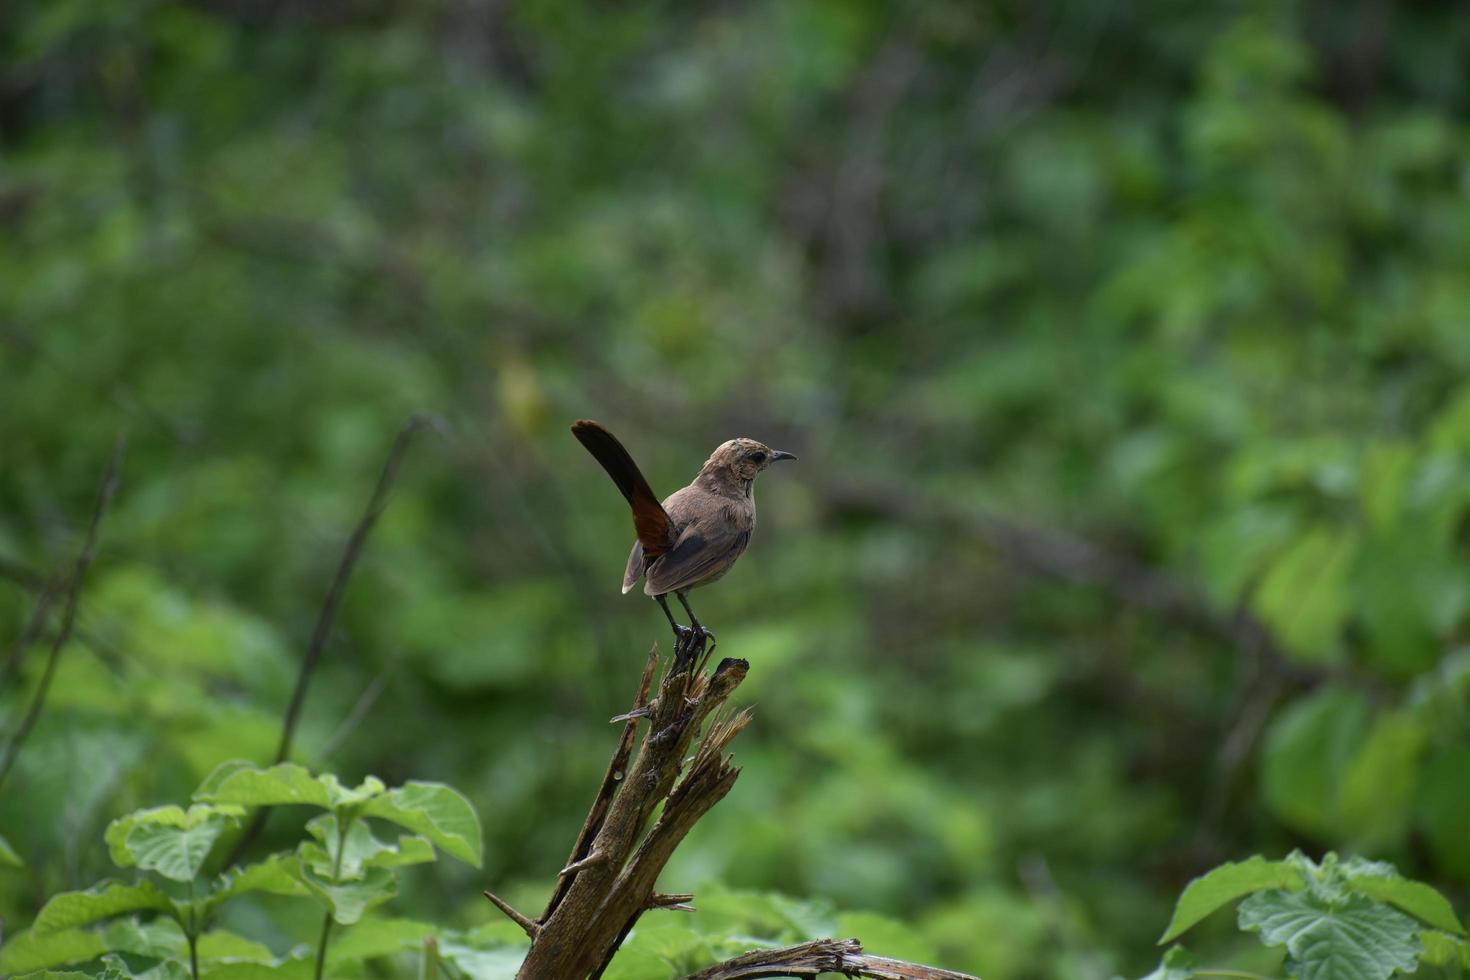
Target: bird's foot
682 634
705 632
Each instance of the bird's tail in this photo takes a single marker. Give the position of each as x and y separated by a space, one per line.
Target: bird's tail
655 530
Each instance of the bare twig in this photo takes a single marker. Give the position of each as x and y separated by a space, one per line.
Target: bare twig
376 504
531 928
328 614
844 956
678 902
360 709
69 617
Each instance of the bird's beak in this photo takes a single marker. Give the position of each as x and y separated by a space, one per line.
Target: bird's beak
780 454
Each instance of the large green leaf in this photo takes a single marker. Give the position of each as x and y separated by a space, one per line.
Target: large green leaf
283 784
372 938
1444 800
1379 880
32 950
172 841
288 968
438 812
157 939
221 946
1304 595
1376 793
1357 939
1225 884
496 964
348 900
279 785
102 901
1307 748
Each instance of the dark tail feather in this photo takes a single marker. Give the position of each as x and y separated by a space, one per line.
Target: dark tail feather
655 530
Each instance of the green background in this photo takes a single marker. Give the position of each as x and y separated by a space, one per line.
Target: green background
1125 348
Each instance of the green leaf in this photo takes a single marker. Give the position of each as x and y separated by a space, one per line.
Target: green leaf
410 849
370 788
662 949
275 875
1307 749
8 855
219 774
1178 964
1379 880
102 901
1377 788
348 900
360 850
1225 884
1358 939
32 950
492 964
1444 799
892 938
373 938
1442 949
289 968
221 946
158 939
282 785
112 966
1304 595
438 812
246 785
169 840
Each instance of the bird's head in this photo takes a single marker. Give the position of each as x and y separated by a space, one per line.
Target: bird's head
743 458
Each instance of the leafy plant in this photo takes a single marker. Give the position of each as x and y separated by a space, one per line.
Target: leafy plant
343 866
1338 920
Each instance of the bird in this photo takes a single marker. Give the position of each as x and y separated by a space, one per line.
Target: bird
697 533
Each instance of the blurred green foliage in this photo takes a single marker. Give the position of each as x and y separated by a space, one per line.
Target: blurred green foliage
1185 283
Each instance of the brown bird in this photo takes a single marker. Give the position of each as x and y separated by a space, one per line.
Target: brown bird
697 533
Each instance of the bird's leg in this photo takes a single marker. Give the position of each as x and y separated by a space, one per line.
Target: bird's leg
679 631
684 601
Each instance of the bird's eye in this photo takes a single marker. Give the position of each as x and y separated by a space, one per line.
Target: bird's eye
757 457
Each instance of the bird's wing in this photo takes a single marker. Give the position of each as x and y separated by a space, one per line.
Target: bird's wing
636 565
704 550
650 520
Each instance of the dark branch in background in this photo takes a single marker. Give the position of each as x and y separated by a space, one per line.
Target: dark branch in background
360 709
375 507
28 634
69 617
844 956
1068 558
328 614
21 575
